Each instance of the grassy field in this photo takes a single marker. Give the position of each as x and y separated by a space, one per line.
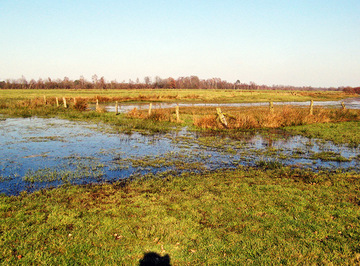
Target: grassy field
169 95
244 216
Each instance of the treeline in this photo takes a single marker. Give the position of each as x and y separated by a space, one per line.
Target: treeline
191 82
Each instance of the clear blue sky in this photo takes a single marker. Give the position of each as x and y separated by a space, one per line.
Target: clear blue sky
289 42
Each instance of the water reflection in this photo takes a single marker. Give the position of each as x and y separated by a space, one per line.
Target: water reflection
351 103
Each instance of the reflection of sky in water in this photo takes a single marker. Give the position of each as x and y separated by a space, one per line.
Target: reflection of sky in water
351 103
31 144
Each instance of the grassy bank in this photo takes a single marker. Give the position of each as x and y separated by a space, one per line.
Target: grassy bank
340 133
245 216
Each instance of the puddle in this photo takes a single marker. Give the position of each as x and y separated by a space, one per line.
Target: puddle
38 153
351 103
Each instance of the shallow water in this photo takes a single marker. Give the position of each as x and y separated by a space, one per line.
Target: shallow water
37 153
350 103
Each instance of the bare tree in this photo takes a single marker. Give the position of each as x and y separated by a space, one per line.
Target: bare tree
147 80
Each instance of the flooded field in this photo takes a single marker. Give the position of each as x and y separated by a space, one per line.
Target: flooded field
38 153
351 103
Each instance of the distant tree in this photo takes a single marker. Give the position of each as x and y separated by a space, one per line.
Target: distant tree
82 81
94 79
23 82
102 83
171 83
32 84
253 85
40 84
158 82
147 80
194 82
66 83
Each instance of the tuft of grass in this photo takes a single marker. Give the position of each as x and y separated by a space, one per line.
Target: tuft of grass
269 164
81 104
329 156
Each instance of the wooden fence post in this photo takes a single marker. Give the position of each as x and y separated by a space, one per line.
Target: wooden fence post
221 117
343 106
311 112
150 106
271 107
45 102
177 114
57 102
64 100
74 101
116 108
97 105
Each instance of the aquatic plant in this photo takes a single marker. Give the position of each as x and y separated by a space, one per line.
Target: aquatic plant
330 156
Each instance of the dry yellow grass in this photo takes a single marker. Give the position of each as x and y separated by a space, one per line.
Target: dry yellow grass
250 118
282 116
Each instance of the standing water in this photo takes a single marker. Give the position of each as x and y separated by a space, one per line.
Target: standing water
351 103
39 153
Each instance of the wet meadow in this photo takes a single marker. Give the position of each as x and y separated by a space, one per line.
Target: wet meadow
91 184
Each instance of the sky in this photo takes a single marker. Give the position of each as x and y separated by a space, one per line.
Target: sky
279 42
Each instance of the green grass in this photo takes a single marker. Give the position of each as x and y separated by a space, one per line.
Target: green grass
179 95
339 133
245 216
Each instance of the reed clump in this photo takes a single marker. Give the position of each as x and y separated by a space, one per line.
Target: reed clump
158 115
81 104
280 117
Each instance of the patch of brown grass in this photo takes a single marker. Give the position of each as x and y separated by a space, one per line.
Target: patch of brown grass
206 121
280 117
160 115
81 104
